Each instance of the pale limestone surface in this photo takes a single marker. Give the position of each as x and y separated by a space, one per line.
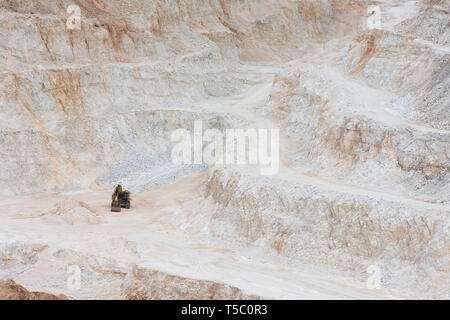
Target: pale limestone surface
364 128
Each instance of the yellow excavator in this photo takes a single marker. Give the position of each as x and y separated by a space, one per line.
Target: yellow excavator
120 199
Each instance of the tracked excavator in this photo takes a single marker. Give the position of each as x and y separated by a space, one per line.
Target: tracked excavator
120 199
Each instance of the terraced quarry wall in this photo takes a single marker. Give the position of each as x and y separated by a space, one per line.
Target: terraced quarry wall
363 116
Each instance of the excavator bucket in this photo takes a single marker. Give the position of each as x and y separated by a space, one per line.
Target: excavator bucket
115 206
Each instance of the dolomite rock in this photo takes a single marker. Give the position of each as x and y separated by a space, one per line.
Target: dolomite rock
341 128
142 284
364 148
17 256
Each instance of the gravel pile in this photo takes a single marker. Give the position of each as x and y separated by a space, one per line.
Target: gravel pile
138 171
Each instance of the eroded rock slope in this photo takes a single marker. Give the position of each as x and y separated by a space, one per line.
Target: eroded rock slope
363 115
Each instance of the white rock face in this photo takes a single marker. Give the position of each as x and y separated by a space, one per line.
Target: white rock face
364 126
155 285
